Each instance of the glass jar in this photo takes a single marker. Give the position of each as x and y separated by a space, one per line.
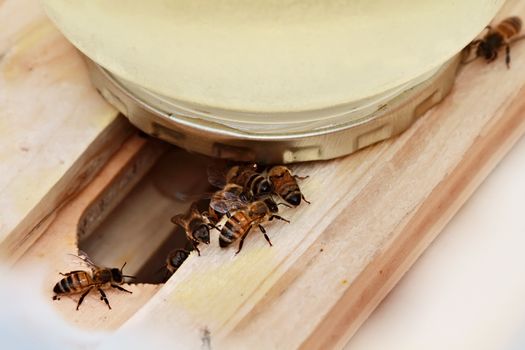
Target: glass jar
272 80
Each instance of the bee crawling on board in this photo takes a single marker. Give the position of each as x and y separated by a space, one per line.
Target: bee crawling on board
285 185
100 278
503 35
239 223
195 226
226 201
255 185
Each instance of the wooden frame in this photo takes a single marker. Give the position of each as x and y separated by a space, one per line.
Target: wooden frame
372 215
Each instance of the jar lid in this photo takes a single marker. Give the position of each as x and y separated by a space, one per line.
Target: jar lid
271 67
186 128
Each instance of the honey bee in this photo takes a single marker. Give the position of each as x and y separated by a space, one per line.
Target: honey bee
175 259
254 184
80 281
230 199
502 35
241 222
285 185
194 225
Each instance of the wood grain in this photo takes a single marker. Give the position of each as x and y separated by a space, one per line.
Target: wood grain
55 130
136 157
372 214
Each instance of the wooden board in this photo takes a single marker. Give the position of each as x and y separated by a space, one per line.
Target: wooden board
55 130
372 215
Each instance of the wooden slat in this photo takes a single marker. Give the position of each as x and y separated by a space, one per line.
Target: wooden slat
53 248
372 214
55 130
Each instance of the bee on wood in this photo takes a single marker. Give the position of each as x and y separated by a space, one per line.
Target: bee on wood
241 222
223 202
175 259
285 185
255 185
501 36
194 225
99 278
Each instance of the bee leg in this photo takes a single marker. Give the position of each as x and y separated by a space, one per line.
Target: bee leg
467 52
215 227
103 297
242 240
507 55
494 56
56 297
304 199
261 227
82 297
121 289
279 218
196 248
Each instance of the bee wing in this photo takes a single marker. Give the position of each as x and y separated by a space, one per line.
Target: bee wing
228 202
83 259
217 175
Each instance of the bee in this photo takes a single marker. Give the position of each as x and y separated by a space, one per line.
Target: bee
285 185
502 35
194 225
241 222
255 185
175 259
99 278
230 199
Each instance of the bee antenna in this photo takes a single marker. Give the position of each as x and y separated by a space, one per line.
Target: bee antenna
286 205
122 268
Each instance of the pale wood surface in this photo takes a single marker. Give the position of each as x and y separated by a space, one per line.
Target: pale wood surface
372 214
55 130
60 239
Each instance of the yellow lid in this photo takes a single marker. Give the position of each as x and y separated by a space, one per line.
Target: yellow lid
270 55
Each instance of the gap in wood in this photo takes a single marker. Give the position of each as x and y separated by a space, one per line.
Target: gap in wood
138 230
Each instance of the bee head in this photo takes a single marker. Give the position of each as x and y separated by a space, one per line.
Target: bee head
177 257
265 187
202 234
117 276
294 199
485 50
270 203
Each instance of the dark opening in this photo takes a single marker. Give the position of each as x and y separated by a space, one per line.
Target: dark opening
138 230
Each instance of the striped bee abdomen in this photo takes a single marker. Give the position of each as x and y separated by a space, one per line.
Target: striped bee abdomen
509 27
234 228
74 282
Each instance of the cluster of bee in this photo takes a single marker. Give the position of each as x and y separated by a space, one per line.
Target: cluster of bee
502 35
245 200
